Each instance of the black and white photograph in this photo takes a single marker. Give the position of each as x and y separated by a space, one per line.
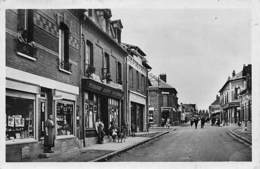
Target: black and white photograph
97 83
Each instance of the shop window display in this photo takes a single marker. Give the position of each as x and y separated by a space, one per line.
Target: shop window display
64 118
19 118
90 107
113 110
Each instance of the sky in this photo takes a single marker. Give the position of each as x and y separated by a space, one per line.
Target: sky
197 48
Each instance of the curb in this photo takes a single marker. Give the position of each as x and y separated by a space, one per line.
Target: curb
240 138
110 155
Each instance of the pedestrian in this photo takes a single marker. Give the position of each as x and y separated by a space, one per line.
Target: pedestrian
100 131
202 122
168 123
133 129
191 121
218 122
110 129
196 120
49 138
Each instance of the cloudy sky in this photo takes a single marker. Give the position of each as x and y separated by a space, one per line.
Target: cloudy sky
196 48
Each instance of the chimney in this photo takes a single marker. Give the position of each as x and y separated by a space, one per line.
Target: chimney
217 97
163 77
233 73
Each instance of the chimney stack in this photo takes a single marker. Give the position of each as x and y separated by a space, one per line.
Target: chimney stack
233 73
163 77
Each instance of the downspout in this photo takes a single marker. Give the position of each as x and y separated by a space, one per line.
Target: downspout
81 75
126 91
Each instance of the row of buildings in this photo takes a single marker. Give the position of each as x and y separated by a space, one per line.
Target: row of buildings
233 105
72 64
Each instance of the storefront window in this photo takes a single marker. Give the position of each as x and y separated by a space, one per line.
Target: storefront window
90 107
64 118
113 110
19 118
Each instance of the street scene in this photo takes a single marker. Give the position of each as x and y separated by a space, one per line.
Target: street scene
113 85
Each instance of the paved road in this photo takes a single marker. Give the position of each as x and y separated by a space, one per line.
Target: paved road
188 144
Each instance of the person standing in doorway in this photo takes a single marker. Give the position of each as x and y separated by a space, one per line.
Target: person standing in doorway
49 138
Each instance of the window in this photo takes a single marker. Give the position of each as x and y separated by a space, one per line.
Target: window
64 117
113 110
90 109
137 80
165 100
131 75
89 62
106 67
64 48
25 44
119 72
20 111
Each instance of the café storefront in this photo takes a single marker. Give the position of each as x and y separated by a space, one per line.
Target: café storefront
99 101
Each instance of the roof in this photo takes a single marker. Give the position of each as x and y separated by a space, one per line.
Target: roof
134 49
158 83
216 102
237 76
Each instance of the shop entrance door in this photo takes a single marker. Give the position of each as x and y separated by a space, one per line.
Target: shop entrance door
104 112
140 113
165 116
43 117
133 117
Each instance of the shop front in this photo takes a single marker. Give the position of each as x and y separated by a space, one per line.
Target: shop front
137 110
29 100
99 101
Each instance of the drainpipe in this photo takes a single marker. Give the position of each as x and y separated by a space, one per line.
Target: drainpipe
80 83
126 111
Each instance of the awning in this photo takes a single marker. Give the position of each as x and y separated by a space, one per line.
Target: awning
102 89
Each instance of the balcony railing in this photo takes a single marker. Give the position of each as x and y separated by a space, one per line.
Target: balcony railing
89 70
106 74
65 65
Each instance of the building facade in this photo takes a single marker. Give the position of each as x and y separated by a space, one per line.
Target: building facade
187 111
102 72
235 95
42 77
137 84
163 102
215 109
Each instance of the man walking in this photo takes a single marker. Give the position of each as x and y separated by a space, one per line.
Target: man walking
196 120
202 121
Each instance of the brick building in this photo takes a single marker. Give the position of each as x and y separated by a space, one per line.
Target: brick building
42 77
102 72
137 84
163 101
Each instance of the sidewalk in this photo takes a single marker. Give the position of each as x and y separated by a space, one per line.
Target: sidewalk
100 152
241 134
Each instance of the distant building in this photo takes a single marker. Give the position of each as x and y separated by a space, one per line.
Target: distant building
163 101
187 111
215 108
235 97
